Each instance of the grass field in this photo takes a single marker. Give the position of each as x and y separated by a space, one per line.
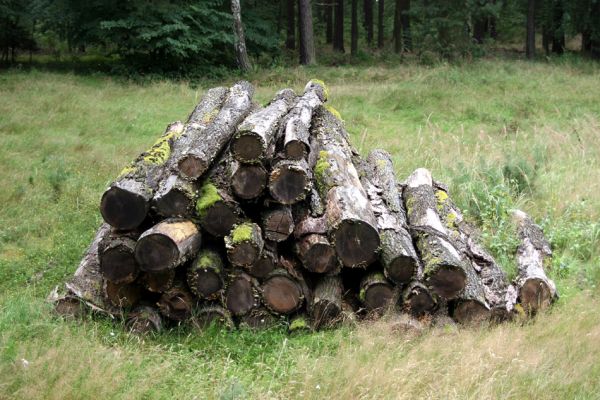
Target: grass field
503 134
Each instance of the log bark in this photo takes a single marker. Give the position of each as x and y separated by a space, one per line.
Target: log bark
248 181
117 257
176 303
277 223
398 255
281 292
244 244
241 294
351 223
443 269
266 263
196 159
296 131
327 302
534 290
167 245
256 135
158 282
124 295
212 314
417 300
125 204
143 320
290 181
205 275
376 293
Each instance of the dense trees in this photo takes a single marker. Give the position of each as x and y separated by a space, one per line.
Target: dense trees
183 35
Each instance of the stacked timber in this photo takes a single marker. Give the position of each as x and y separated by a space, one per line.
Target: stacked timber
253 216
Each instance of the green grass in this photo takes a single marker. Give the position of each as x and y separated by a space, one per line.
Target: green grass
502 134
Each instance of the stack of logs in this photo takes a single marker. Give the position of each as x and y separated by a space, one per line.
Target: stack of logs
250 215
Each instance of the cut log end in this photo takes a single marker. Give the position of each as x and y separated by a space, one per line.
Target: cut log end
192 166
317 254
212 315
205 282
244 254
326 314
247 147
123 296
156 253
378 297
143 320
535 295
447 281
401 269
174 204
176 304
288 185
118 265
356 243
471 312
158 282
281 294
418 301
218 219
295 150
239 296
123 209
278 224
249 181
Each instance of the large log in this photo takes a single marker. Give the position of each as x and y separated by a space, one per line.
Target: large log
351 223
196 159
205 275
176 303
258 318
126 202
277 223
281 292
290 181
117 257
534 290
256 135
398 255
167 245
248 181
296 135
327 301
241 294
376 293
443 269
244 244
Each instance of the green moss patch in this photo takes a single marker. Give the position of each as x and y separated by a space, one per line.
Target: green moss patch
209 195
241 233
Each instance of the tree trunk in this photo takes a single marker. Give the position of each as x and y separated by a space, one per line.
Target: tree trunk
239 38
329 5
380 25
534 290
277 223
195 160
158 282
307 43
176 303
327 302
338 29
143 320
397 28
244 244
558 32
405 24
354 29
125 204
256 135
376 293
443 269
368 20
117 257
167 245
290 41
205 275
351 224
241 295
530 43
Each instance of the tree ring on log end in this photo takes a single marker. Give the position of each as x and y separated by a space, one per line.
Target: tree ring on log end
401 270
244 254
240 296
174 203
262 267
295 150
447 281
470 312
378 297
247 147
219 219
535 295
281 294
156 252
356 243
249 181
206 282
118 264
192 167
288 185
123 209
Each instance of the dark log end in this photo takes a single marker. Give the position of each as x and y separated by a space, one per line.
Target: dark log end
295 150
263 267
156 253
288 185
176 304
192 167
320 258
212 316
470 312
281 294
243 254
218 219
419 302
123 296
144 320
118 264
247 147
174 204
239 296
204 282
158 282
278 225
249 181
378 297
401 270
447 281
258 318
535 295
123 209
356 243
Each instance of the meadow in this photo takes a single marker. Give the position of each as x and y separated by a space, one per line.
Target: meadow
503 134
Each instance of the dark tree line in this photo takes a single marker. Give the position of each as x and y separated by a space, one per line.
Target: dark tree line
181 34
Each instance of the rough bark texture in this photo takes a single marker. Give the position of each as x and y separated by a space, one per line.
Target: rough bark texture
195 160
176 303
443 269
534 290
290 181
277 223
327 302
167 245
143 320
239 37
376 293
244 244
117 257
126 202
256 134
241 295
205 275
307 43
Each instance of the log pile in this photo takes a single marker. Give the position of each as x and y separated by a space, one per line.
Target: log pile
249 216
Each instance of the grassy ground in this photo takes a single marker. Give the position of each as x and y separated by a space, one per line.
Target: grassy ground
502 134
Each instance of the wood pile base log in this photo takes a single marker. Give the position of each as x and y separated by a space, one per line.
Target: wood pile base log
251 216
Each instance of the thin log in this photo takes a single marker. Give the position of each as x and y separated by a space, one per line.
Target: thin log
417 300
277 223
376 293
256 135
167 245
205 275
117 257
158 282
126 202
443 269
244 244
296 142
535 291
248 181
176 303
241 294
327 302
212 314
290 181
143 320
196 159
